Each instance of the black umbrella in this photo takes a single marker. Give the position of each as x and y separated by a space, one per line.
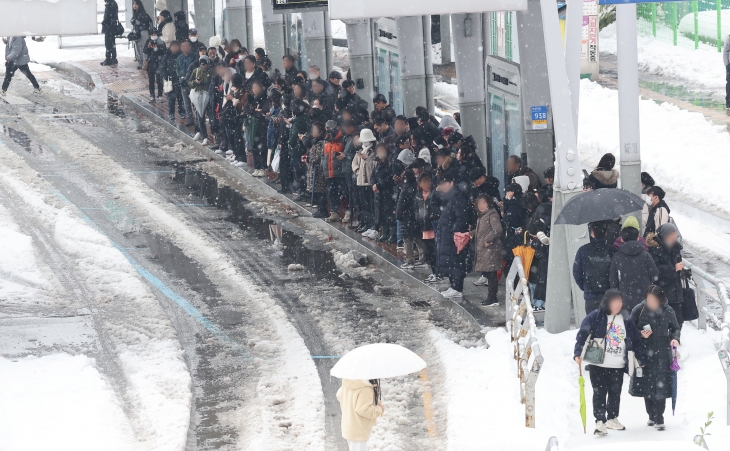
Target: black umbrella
599 205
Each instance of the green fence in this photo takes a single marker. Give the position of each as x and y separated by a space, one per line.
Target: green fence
687 24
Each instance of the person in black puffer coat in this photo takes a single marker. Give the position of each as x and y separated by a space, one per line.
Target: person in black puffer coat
427 214
182 30
514 215
405 212
667 254
662 332
155 49
108 27
454 218
384 189
254 113
632 268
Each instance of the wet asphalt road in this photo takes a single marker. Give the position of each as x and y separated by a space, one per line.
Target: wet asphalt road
359 309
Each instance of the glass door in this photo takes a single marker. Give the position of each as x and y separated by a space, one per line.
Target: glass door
396 98
513 125
498 138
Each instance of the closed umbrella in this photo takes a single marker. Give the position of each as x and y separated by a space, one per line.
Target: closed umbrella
377 361
526 254
674 367
599 205
582 386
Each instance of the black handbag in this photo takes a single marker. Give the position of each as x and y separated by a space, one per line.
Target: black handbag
118 29
134 36
689 306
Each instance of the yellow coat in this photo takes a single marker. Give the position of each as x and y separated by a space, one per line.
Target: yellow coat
359 412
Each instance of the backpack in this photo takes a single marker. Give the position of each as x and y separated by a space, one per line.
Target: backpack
598 266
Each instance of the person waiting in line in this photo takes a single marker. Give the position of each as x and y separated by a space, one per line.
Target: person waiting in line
516 167
383 110
108 28
384 188
406 213
427 215
454 219
632 268
334 155
656 212
184 60
255 123
611 328
487 237
360 407
200 82
537 279
233 102
592 266
515 218
316 182
182 29
666 251
168 72
165 27
141 24
363 165
660 332
604 175
334 83
299 125
155 50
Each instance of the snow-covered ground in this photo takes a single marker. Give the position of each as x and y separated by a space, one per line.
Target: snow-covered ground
60 402
484 412
700 68
47 52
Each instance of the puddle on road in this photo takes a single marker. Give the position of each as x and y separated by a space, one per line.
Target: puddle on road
24 141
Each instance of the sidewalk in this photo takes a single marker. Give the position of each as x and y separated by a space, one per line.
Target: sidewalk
133 92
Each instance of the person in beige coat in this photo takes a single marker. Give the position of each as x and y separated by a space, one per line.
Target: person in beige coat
488 246
359 412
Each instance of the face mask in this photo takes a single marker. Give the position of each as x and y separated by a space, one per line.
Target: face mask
154 38
648 200
313 76
193 39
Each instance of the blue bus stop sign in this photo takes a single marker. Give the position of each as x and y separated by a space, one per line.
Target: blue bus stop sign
539 117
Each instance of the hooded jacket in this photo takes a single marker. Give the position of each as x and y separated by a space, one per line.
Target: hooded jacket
16 51
604 178
580 266
666 261
331 166
359 411
488 230
632 271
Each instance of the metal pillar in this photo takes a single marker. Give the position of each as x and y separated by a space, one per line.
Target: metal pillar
536 89
412 62
568 178
274 33
428 63
313 24
469 56
328 45
237 23
628 98
204 21
360 49
446 57
573 37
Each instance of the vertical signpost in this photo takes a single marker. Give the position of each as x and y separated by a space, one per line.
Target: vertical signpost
589 47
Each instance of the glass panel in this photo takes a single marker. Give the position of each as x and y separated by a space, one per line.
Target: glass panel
383 81
498 138
513 122
396 97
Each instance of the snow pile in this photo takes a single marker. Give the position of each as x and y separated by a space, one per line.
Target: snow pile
669 135
59 402
706 25
158 385
484 412
351 259
700 68
287 370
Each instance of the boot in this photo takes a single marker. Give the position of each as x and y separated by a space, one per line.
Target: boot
320 214
385 235
363 227
347 217
333 217
354 225
393 238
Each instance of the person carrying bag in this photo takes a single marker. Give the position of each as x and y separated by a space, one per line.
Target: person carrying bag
609 342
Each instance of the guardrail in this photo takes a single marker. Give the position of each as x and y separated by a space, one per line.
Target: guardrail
707 287
523 333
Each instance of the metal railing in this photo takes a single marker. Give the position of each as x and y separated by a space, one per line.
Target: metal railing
709 287
523 334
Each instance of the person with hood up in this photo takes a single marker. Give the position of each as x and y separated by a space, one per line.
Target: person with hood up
165 27
384 188
406 211
141 24
632 268
487 238
108 27
454 219
667 254
256 124
334 154
656 212
363 165
604 175
360 406
659 332
592 266
182 30
16 57
611 325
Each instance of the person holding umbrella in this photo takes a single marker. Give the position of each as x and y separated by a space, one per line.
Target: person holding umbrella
659 332
610 343
360 410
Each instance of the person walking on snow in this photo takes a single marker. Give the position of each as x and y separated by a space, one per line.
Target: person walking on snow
16 57
592 266
610 325
360 408
108 27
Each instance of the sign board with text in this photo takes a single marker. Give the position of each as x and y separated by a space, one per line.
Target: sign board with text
357 9
539 117
589 40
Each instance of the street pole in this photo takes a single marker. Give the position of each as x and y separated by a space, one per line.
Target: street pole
203 19
446 57
469 58
315 42
274 36
568 178
360 49
628 98
573 42
412 62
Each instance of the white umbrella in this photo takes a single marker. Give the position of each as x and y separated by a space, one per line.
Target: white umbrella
377 361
